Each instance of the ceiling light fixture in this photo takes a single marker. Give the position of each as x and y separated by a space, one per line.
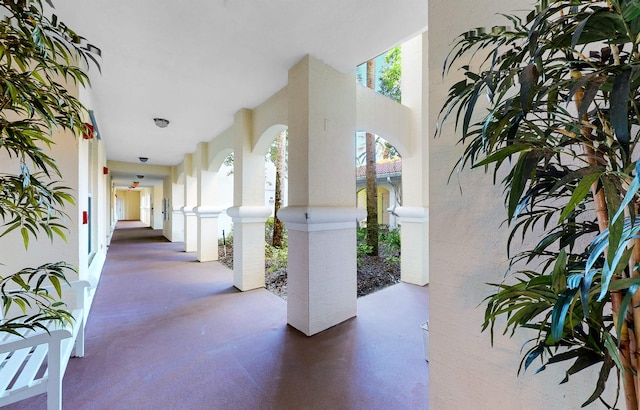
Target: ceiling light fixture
161 122
143 159
140 176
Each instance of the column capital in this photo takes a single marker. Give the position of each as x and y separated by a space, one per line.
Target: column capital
208 211
412 214
249 213
188 210
321 218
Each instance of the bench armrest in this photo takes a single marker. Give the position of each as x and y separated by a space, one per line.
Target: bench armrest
10 342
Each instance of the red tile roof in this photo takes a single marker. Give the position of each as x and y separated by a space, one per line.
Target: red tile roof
383 168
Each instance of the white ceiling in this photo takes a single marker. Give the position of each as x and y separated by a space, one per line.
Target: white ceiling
197 62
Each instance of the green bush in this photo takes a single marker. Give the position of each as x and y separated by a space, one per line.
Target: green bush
268 230
361 234
276 259
391 240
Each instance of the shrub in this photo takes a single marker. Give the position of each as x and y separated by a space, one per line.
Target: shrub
276 259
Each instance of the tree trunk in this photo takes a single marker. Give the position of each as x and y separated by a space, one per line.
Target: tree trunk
278 225
600 204
372 185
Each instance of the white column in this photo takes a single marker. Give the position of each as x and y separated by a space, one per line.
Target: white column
414 212
190 202
173 226
248 213
177 225
190 228
322 281
414 235
207 211
207 220
322 216
248 246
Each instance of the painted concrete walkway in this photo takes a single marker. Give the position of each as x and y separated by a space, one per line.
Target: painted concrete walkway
166 332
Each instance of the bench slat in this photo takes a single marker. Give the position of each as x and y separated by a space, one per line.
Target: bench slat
23 358
32 366
12 366
12 396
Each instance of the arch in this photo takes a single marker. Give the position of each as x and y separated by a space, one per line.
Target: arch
266 138
219 148
178 174
274 110
382 116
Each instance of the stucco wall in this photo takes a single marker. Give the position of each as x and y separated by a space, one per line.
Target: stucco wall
467 250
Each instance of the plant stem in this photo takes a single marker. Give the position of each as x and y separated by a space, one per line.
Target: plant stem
600 203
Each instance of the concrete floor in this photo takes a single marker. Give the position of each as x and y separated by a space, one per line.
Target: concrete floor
167 332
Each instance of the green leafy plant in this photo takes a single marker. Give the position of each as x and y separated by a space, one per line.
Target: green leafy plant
391 244
39 57
276 259
561 130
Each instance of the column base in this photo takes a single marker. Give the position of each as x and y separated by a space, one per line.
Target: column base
207 233
177 225
322 279
248 245
190 229
414 235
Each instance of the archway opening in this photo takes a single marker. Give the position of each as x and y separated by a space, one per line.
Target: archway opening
276 197
379 191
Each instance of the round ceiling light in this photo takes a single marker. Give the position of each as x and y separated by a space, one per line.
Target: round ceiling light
161 122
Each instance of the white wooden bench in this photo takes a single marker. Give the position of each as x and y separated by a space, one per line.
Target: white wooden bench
35 363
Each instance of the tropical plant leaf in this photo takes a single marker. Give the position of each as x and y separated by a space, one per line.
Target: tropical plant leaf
579 194
560 312
528 81
620 107
575 37
631 192
601 383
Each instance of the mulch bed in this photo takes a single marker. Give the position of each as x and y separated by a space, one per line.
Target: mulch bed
374 273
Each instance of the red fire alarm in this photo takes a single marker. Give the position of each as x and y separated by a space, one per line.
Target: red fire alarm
105 170
85 217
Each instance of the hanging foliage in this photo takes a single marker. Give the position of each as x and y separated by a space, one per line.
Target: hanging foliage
39 57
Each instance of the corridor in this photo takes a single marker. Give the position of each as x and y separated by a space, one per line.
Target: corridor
167 332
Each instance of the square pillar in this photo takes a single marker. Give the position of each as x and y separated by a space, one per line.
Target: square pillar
207 231
322 215
173 224
177 225
322 290
190 229
248 246
206 212
414 236
190 202
248 212
414 212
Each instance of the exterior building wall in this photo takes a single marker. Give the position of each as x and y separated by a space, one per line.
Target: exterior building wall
386 200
